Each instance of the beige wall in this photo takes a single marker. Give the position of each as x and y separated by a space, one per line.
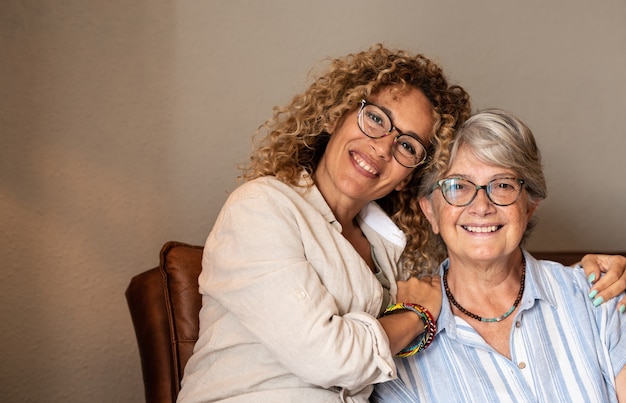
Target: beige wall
122 123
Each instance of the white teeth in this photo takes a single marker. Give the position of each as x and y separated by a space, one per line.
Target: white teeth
492 228
364 165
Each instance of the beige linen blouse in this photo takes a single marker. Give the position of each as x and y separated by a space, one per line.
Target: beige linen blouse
288 306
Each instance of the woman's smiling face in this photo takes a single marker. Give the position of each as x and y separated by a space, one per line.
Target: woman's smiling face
480 231
363 169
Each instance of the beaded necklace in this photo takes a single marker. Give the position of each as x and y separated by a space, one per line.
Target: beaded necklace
480 318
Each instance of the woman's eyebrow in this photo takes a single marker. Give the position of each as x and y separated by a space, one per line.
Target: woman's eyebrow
390 115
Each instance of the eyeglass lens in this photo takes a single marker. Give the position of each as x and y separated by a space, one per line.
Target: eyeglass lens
375 123
461 192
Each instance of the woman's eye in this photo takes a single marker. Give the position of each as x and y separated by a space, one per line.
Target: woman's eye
375 118
504 185
407 147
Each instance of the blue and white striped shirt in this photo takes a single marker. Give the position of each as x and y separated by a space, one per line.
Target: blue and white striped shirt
563 349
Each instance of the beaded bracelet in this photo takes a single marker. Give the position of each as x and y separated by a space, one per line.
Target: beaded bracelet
430 327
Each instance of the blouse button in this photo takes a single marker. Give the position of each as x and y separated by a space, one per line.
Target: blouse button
521 365
518 324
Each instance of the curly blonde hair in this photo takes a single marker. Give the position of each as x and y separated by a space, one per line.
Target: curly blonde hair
297 134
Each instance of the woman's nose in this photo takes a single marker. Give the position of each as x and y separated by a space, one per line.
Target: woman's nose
481 202
383 146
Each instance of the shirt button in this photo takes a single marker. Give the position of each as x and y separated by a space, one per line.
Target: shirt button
301 294
521 365
518 324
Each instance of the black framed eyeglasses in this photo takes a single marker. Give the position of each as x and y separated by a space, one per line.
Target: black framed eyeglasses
461 192
407 149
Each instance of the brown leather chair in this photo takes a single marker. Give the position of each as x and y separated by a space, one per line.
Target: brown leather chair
164 304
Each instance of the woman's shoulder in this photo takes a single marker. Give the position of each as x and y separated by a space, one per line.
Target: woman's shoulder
554 275
557 267
261 187
271 190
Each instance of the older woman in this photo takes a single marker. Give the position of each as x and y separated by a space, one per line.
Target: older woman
511 328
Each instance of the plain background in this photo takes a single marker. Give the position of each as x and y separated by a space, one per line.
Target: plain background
123 122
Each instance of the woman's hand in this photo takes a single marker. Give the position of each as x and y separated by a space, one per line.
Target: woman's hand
425 292
402 326
612 283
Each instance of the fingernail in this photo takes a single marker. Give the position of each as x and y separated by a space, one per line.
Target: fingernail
591 278
598 301
593 294
622 308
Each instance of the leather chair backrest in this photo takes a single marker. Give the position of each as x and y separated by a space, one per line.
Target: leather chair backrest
164 304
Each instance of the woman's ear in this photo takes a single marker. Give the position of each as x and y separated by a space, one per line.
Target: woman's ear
532 207
331 127
426 205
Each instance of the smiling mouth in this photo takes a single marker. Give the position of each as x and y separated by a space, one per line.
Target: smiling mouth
364 164
482 230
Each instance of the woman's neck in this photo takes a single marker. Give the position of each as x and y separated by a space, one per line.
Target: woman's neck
486 274
485 290
344 208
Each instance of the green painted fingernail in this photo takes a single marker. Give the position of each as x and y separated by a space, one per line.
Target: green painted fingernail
598 301
622 308
591 278
593 294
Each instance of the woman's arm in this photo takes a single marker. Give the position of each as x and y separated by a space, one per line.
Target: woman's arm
293 282
404 326
609 285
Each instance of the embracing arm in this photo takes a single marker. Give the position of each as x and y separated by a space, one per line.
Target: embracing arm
609 285
404 326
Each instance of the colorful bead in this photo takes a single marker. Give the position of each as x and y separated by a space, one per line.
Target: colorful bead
430 327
